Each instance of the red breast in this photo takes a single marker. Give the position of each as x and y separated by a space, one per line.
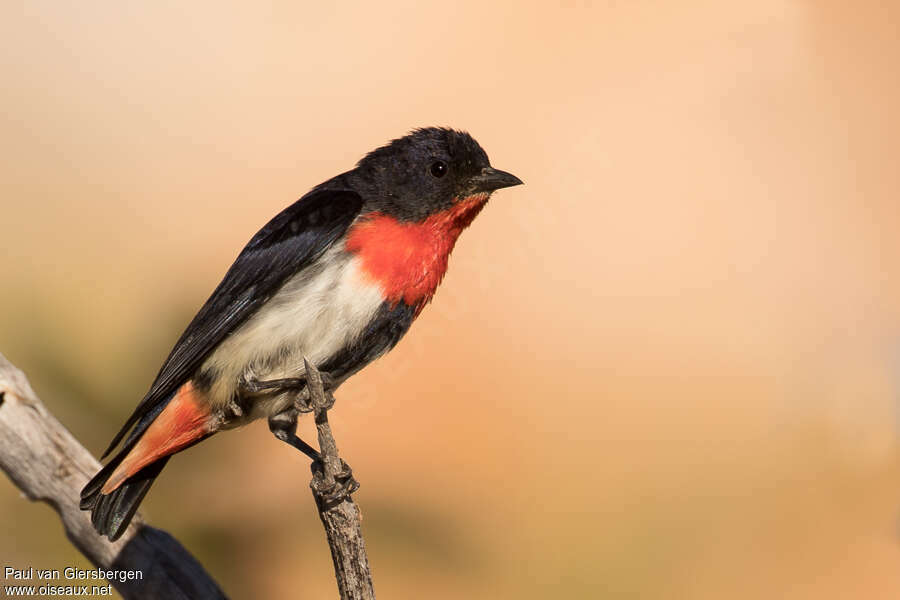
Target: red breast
408 260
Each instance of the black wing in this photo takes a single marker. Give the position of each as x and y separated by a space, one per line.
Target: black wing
295 238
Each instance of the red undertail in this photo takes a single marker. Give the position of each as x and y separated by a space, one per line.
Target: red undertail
184 420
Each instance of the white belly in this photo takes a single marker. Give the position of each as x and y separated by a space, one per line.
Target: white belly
315 314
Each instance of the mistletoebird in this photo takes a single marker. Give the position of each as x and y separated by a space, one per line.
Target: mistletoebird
337 278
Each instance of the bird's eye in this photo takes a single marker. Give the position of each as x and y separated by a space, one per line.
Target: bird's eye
439 168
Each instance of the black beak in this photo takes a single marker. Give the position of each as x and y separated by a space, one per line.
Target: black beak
492 179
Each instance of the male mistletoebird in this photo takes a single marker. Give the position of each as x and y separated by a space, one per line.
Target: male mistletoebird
336 278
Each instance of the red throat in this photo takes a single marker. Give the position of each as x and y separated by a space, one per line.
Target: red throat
408 260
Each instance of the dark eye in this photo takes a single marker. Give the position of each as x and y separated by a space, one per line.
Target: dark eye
439 168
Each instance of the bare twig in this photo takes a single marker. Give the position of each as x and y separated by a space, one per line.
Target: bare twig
47 463
332 485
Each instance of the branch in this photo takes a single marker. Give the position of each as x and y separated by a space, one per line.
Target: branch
332 485
47 463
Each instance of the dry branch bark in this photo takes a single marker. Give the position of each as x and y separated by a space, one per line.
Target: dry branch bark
47 463
332 485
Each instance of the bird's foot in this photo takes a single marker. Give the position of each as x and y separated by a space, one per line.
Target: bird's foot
303 400
306 401
331 483
332 490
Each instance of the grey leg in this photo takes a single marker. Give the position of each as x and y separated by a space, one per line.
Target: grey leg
284 426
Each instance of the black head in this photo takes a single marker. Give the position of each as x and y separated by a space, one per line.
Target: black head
426 172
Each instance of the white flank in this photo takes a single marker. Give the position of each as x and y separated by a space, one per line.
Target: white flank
316 313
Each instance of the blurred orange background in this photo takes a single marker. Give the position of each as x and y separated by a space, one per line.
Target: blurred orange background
666 367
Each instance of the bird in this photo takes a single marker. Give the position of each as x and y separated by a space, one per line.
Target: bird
336 278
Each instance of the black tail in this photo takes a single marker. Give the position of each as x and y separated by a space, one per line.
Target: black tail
111 513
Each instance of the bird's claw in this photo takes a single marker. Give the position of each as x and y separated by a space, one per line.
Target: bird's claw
316 394
331 492
304 401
